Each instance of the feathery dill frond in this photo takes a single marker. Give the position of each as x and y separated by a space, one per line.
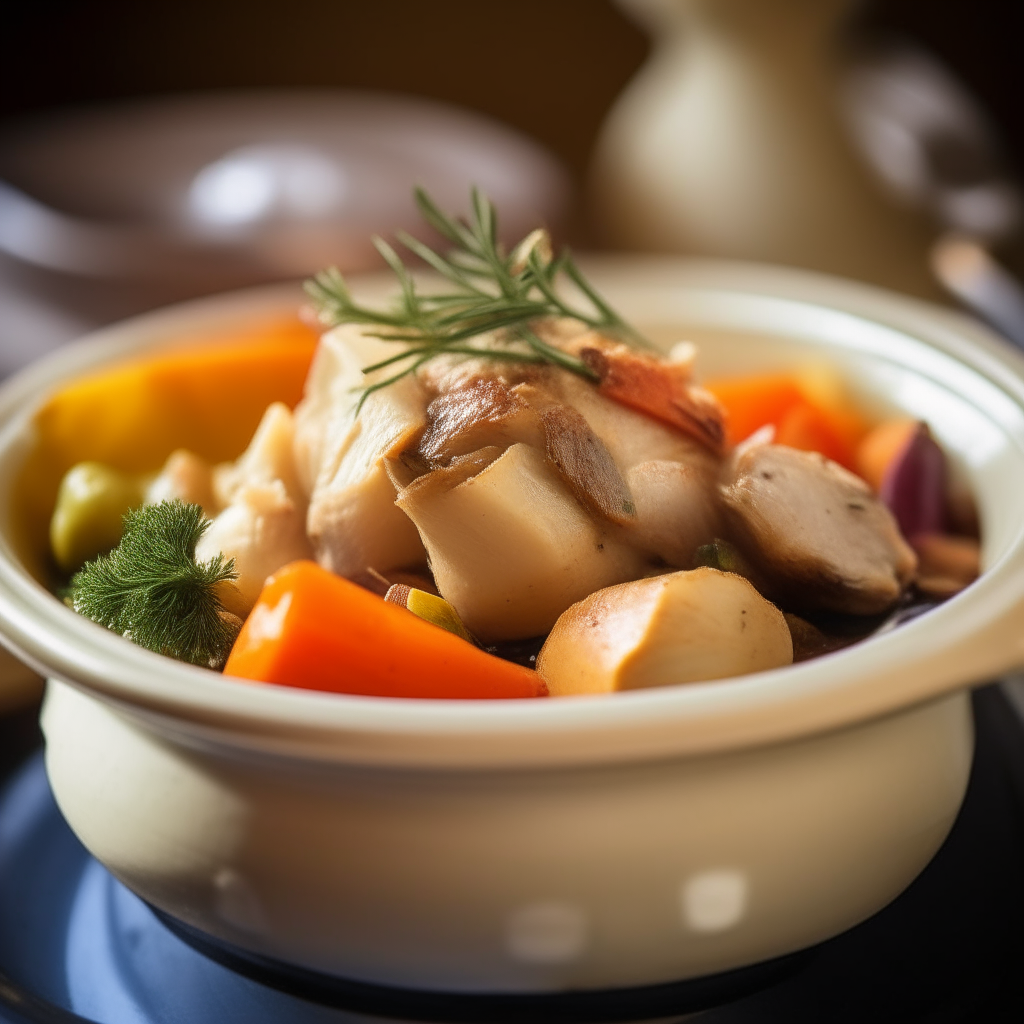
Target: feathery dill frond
152 591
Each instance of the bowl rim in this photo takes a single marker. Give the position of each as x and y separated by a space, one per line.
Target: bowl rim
968 639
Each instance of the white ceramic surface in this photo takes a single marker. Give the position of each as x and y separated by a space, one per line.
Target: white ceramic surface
539 846
731 142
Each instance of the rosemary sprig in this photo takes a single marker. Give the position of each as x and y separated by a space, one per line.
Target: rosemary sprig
491 292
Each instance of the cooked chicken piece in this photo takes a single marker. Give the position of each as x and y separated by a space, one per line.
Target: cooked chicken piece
510 547
586 465
660 388
631 437
263 525
483 412
324 418
596 444
818 533
353 522
676 510
269 458
457 406
185 477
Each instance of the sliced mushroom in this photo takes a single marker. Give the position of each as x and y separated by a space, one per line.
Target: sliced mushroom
817 532
680 628
510 547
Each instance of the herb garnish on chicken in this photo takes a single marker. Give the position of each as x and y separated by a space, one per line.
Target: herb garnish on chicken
493 291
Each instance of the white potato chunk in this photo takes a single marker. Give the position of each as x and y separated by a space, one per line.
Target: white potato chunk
684 627
510 548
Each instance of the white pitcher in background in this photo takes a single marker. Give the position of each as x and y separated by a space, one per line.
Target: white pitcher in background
730 142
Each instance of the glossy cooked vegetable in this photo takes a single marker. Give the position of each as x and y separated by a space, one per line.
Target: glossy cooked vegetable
679 628
87 519
317 631
808 410
429 607
206 396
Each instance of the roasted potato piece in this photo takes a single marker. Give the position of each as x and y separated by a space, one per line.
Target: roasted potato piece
683 627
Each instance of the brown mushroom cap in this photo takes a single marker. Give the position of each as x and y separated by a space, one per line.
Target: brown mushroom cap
818 533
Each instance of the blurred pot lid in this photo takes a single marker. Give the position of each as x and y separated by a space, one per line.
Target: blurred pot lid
254 185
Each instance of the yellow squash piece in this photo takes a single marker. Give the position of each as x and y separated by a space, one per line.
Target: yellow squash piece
206 395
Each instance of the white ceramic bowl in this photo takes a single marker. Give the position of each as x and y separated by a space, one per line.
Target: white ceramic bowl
541 846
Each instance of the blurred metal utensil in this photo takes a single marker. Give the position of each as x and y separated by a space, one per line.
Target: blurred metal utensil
933 146
981 283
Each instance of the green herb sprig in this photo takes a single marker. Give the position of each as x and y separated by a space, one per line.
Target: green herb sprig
152 591
490 291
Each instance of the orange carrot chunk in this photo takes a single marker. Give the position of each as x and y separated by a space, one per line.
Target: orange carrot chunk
807 413
754 402
317 631
806 427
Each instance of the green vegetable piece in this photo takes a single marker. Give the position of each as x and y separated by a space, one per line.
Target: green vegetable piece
722 555
433 609
151 590
87 519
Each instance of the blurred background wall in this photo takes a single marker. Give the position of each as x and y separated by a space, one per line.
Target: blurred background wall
548 67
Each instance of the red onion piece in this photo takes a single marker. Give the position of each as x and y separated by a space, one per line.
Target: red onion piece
914 485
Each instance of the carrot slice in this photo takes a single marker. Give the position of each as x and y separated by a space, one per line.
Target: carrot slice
662 390
317 631
804 426
754 402
807 412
